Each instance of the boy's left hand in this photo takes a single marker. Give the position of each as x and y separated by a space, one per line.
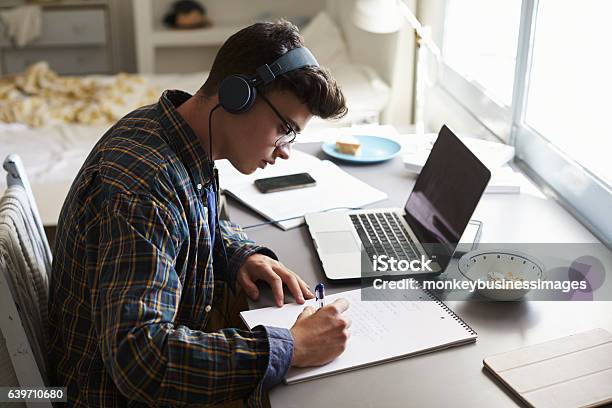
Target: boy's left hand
261 267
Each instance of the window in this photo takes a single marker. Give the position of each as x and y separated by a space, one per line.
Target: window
480 42
538 74
568 101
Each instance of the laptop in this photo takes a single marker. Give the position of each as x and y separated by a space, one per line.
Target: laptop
428 228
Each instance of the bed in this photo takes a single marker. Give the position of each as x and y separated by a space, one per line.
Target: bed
54 152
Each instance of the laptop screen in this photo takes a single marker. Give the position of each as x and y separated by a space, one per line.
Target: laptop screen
445 196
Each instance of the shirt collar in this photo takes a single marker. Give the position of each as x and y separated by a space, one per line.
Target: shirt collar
182 138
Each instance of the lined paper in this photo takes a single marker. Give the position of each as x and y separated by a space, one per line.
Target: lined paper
380 331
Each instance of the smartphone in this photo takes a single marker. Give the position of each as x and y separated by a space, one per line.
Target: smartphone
282 183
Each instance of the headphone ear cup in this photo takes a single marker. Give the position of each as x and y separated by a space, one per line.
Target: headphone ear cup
236 94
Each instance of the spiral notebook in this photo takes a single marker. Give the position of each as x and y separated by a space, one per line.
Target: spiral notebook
381 330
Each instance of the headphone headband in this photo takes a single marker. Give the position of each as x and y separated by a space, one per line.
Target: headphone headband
294 59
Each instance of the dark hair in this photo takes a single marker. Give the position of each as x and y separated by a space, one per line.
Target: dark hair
263 43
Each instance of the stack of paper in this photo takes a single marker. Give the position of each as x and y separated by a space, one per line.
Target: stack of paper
335 189
417 148
505 180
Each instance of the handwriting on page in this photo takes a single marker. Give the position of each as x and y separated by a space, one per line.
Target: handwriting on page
372 321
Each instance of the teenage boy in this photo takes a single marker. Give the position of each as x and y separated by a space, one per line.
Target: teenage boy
146 278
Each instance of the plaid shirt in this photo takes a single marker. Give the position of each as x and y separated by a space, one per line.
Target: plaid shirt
134 276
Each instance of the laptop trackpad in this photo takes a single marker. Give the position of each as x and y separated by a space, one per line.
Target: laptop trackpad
336 242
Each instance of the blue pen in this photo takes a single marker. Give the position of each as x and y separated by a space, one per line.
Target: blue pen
320 295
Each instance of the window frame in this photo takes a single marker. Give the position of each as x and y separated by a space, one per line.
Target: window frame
580 191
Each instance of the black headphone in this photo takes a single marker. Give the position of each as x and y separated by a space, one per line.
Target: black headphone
237 92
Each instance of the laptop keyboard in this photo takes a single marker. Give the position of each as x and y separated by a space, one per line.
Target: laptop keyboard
383 234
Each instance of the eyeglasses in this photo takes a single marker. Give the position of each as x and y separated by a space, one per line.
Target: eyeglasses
290 135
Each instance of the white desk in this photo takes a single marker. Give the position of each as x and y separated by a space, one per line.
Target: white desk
453 377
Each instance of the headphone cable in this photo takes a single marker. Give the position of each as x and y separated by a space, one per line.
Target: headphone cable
211 167
211 162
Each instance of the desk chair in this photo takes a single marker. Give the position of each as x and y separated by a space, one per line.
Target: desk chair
25 265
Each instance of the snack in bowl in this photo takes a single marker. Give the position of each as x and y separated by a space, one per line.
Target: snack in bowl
348 145
506 274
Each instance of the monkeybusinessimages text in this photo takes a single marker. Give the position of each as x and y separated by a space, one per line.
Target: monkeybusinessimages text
384 263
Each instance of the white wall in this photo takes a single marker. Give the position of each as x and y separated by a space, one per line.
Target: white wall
440 107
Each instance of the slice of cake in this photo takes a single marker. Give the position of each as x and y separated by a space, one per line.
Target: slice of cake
348 145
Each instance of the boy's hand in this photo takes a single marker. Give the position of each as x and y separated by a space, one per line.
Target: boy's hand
261 267
319 336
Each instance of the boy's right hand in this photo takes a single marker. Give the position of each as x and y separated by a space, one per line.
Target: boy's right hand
319 336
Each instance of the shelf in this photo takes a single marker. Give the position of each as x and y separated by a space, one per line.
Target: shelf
72 4
214 35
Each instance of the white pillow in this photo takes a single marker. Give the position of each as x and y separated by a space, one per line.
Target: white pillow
325 40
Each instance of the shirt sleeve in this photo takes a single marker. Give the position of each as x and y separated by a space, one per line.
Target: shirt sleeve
135 298
236 248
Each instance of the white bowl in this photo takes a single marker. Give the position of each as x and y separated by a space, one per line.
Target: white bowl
490 266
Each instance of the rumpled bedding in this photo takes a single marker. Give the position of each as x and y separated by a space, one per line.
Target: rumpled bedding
40 97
